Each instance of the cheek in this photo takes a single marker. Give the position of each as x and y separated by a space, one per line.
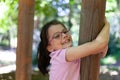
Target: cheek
57 45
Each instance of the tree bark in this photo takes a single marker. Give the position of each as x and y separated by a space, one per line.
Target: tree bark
25 36
92 21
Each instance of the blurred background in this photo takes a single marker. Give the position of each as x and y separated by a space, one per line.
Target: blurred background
67 11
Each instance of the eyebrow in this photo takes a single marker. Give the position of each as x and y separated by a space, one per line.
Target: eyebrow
60 31
63 29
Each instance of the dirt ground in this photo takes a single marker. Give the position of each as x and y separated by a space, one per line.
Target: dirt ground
110 73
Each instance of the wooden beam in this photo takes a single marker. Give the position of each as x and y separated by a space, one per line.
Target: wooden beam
92 21
24 41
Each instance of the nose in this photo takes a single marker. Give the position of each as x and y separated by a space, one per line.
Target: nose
64 35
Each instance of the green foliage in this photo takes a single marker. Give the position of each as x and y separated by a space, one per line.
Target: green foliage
114 45
9 14
44 8
111 59
111 6
72 2
113 54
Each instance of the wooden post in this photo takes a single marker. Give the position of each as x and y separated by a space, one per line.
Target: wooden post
92 21
24 44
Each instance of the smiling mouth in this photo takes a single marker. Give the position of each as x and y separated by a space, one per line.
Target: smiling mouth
66 41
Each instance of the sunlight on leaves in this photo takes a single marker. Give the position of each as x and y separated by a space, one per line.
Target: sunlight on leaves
109 60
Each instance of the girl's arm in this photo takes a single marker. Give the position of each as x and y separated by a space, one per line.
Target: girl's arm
89 48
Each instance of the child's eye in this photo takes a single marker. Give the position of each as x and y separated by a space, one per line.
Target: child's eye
56 36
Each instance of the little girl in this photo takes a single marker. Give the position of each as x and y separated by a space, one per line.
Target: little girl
56 55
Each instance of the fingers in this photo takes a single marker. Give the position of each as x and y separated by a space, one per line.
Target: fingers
104 51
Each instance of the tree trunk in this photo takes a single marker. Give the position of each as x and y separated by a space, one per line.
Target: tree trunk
92 21
24 44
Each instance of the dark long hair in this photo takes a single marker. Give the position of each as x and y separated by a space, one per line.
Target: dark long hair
43 57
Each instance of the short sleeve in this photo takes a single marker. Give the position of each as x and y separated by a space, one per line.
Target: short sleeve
59 55
62 55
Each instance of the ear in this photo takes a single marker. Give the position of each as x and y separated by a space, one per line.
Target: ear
49 48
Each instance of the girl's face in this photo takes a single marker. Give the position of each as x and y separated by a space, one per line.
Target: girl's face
58 37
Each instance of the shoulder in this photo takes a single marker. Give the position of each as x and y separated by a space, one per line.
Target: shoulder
58 52
59 55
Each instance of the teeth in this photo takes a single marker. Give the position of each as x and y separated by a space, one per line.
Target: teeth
66 41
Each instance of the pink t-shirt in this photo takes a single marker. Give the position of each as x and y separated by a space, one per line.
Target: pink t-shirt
60 69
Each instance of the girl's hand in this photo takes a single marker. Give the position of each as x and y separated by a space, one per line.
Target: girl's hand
103 36
104 52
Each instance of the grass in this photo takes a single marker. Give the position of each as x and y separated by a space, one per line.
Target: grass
7 76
